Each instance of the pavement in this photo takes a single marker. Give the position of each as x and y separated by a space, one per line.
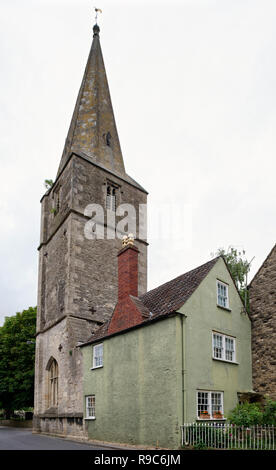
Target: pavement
23 439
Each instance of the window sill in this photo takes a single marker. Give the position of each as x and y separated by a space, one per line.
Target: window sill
210 419
225 360
224 308
95 368
89 419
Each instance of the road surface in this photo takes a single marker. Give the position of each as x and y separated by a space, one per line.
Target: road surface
23 439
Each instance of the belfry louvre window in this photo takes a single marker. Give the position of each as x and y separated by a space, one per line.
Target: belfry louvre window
111 198
224 347
210 405
98 356
53 383
90 407
222 294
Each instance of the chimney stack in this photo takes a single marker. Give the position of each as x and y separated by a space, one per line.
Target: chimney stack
126 314
128 269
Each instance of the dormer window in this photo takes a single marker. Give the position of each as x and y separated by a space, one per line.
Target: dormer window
222 295
111 198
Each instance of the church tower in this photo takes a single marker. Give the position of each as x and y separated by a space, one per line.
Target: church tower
77 286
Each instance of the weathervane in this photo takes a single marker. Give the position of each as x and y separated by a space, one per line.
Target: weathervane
97 10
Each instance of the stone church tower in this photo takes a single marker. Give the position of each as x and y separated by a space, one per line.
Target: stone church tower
77 287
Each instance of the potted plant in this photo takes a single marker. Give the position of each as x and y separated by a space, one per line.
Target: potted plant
204 415
217 415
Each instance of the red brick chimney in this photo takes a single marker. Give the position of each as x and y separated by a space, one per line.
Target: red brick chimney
128 272
126 313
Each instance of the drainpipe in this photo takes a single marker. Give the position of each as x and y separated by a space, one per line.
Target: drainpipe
183 366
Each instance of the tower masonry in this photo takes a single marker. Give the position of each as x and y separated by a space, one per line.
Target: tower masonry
78 279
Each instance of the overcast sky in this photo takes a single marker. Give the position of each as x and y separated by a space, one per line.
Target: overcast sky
193 89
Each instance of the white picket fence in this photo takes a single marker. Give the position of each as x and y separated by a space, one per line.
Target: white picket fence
228 436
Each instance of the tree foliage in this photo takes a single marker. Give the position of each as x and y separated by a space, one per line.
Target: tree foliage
269 413
48 184
17 358
251 414
238 266
246 414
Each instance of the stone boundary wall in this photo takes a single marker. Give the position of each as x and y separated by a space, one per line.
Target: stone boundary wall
14 423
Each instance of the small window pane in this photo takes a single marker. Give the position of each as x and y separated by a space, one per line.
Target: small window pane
218 346
210 405
98 355
222 295
229 349
90 406
202 403
223 347
216 403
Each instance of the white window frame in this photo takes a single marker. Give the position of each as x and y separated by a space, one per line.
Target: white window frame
223 284
90 406
223 350
209 405
96 356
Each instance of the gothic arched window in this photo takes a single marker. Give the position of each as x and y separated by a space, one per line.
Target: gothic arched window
53 383
111 198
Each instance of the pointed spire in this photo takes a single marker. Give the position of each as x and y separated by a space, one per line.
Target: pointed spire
93 129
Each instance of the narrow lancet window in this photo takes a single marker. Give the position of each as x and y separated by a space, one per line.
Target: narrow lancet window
53 383
111 198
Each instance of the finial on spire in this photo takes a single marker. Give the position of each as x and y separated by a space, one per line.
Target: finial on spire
96 28
97 10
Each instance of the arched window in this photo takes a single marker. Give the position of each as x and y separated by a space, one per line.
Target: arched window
53 382
111 198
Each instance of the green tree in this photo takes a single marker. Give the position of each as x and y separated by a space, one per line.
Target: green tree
239 268
250 414
17 358
246 414
269 413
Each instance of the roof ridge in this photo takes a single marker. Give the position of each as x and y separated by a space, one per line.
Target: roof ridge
212 261
163 300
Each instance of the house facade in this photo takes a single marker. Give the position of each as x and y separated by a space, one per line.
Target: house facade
186 358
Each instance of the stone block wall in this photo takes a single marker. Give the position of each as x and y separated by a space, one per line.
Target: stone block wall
78 286
262 294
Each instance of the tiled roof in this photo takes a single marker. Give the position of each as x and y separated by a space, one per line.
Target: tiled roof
165 299
102 332
142 307
171 296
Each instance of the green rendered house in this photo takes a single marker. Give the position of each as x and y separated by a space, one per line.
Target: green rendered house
178 354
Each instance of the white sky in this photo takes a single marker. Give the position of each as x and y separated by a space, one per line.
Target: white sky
193 90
